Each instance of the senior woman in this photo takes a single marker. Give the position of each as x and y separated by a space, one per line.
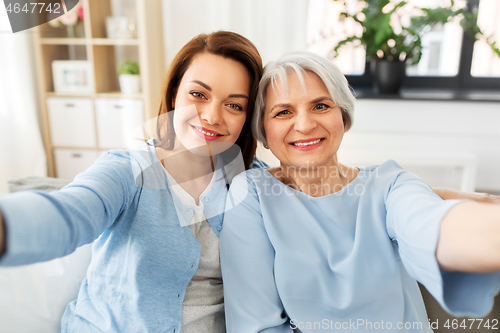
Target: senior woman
316 245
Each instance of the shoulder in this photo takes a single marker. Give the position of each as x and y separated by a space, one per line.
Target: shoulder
123 160
386 172
140 166
392 181
391 172
257 163
275 172
389 166
249 176
250 180
115 161
132 155
385 178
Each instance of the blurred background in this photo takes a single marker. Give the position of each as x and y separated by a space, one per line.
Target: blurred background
84 83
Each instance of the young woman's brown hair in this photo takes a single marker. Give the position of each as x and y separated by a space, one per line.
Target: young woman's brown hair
226 44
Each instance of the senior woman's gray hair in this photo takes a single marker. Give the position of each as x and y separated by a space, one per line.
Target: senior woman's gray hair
301 62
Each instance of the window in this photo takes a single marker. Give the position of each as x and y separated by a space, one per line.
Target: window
450 60
484 62
324 31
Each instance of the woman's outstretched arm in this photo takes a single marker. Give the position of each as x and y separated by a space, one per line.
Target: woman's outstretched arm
469 238
43 226
439 243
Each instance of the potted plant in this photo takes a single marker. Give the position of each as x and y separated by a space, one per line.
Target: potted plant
391 43
129 77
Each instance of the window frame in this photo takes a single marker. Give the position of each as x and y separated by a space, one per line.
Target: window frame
462 81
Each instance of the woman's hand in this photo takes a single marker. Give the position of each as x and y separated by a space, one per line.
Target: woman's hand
485 198
474 196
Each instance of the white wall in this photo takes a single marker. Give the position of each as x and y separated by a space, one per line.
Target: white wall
435 127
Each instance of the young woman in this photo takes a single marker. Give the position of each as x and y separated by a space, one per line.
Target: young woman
148 272
316 245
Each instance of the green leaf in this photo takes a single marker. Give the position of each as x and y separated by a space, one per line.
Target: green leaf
129 67
342 43
377 30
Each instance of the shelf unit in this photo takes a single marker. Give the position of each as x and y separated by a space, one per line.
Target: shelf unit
103 54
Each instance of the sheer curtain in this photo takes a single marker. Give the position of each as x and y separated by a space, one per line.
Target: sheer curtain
21 149
274 26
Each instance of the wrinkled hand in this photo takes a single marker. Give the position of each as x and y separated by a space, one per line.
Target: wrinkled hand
485 198
446 194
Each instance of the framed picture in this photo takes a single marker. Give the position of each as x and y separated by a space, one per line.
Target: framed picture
72 77
118 27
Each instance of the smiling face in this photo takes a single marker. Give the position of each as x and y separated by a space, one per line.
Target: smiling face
304 127
211 104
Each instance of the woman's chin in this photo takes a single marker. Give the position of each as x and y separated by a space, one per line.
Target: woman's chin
303 163
207 149
308 160
201 151
304 166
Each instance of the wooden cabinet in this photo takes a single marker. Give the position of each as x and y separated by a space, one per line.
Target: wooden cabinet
78 127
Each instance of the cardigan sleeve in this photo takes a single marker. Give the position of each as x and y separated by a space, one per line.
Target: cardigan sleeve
251 299
42 226
414 215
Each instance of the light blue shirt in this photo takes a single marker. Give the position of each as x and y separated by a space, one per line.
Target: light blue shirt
142 260
347 261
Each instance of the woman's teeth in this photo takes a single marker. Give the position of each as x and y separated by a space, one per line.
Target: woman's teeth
306 143
206 133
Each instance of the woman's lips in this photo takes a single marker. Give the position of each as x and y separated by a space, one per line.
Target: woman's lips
308 144
205 133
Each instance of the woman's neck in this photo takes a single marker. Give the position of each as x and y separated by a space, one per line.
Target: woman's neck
192 172
317 181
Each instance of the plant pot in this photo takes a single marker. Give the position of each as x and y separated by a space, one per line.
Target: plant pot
388 76
130 84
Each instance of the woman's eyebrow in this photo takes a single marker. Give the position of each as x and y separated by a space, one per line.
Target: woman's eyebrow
238 96
204 85
319 99
281 105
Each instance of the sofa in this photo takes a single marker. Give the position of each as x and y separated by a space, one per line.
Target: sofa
33 297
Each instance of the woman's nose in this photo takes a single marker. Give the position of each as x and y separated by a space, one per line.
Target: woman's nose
212 114
304 122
